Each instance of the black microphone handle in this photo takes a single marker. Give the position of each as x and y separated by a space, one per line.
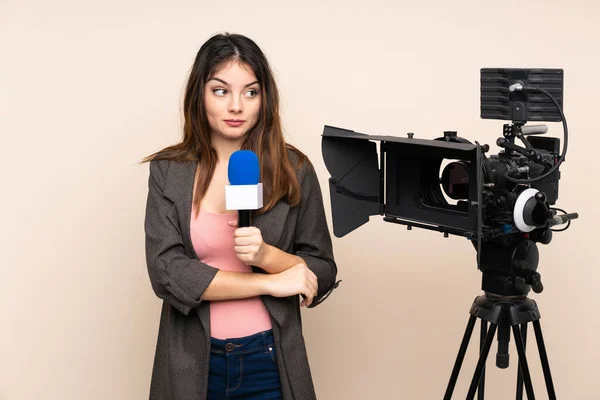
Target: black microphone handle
244 219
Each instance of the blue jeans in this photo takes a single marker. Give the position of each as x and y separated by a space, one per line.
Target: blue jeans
244 368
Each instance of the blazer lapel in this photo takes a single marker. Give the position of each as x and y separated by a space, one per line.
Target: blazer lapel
271 226
178 189
272 223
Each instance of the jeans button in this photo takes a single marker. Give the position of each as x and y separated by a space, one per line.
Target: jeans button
229 346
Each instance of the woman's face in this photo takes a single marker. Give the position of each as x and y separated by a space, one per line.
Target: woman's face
232 99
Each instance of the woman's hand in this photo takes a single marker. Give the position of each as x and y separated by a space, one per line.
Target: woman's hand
248 245
298 279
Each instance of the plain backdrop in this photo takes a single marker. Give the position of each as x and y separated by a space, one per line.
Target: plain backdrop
87 89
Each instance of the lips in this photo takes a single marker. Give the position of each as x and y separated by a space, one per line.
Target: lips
234 122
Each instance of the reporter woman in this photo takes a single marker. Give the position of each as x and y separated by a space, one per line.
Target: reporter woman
230 324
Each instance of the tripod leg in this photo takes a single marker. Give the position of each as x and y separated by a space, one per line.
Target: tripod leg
482 359
520 374
460 357
502 357
481 388
544 358
523 362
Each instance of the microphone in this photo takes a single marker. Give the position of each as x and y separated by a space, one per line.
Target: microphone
244 192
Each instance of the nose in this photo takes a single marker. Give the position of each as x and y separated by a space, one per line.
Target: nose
235 105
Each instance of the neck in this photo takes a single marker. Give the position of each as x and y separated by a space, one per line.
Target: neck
225 147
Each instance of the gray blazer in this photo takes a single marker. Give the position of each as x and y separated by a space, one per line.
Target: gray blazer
181 362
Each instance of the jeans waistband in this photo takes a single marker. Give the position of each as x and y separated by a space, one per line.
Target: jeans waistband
246 344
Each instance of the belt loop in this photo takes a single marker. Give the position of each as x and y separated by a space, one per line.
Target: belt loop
263 336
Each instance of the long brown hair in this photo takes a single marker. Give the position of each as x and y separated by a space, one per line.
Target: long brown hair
265 138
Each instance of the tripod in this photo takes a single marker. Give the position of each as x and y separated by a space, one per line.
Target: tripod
502 313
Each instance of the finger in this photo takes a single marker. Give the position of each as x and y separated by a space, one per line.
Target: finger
309 297
303 298
246 231
233 223
243 249
307 293
312 278
244 241
246 258
242 258
313 289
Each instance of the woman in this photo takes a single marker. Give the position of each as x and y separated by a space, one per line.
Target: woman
230 324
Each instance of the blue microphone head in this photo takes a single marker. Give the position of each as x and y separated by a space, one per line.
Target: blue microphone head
243 168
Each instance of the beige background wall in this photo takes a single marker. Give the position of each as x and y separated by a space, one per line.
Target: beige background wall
89 88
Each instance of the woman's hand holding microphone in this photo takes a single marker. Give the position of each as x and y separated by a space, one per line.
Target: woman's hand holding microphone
288 274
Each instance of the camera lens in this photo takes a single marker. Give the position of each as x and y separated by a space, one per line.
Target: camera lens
455 180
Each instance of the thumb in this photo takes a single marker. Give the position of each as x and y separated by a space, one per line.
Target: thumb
233 223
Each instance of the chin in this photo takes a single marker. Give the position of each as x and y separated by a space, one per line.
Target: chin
233 135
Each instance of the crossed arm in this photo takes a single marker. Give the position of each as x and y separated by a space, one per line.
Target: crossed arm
186 282
288 273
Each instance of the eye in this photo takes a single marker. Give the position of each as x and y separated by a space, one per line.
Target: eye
219 91
252 93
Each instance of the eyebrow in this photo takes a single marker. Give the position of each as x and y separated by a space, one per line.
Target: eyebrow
225 83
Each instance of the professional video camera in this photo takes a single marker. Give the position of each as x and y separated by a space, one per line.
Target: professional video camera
502 203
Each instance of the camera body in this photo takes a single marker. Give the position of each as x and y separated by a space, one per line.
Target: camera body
502 203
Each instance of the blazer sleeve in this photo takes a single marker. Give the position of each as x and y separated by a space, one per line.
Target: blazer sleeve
312 239
175 277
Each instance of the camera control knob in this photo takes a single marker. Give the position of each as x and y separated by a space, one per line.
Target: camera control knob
540 197
449 135
535 280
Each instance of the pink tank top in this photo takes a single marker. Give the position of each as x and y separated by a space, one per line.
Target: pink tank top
213 241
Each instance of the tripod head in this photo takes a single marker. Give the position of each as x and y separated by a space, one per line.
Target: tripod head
509 264
509 256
